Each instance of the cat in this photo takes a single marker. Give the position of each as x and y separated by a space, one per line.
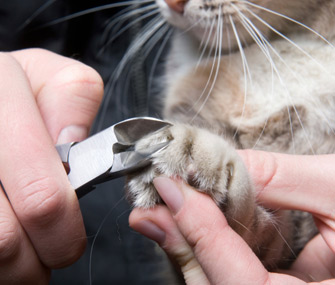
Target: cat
244 75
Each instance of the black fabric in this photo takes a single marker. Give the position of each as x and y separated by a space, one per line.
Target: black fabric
119 255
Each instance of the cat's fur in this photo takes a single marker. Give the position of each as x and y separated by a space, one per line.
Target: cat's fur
284 106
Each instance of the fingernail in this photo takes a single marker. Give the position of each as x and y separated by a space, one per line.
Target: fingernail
170 193
151 231
72 134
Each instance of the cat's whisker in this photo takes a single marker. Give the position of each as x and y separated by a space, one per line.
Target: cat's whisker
35 14
212 49
218 56
150 29
190 27
289 19
165 34
209 77
128 26
115 23
287 39
291 125
147 48
96 236
283 239
265 41
216 62
157 57
261 133
260 40
150 44
203 39
206 45
246 71
248 230
243 226
302 127
257 37
93 10
117 20
114 27
294 74
274 68
263 44
228 36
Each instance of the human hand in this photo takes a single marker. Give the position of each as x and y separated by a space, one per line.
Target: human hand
194 232
44 99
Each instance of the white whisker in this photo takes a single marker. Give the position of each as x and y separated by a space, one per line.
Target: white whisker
96 236
115 23
263 44
283 239
274 68
289 19
150 29
150 44
246 71
128 26
158 55
206 45
120 18
228 40
287 39
202 42
35 14
93 10
210 74
217 60
209 77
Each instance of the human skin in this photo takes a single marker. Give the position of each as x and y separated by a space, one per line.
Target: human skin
44 99
194 232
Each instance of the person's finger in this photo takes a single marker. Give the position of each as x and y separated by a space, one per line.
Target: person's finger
293 181
315 263
16 250
168 236
32 174
298 182
68 93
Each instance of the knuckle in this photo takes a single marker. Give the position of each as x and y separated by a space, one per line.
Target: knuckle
11 64
9 239
195 237
87 77
39 201
202 239
69 257
82 87
5 58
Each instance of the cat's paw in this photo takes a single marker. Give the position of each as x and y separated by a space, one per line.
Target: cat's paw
204 160
211 164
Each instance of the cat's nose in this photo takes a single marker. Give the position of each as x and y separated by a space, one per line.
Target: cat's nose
176 5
